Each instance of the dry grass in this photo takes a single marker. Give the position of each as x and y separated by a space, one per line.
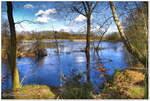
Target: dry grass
30 92
127 84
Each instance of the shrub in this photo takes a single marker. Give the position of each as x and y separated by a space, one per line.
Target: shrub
74 89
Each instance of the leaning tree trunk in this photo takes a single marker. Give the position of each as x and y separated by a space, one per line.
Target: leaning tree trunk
131 49
88 47
12 50
129 46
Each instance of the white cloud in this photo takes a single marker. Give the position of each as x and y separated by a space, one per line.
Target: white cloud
81 18
39 13
43 19
66 29
28 6
112 29
46 12
43 16
24 27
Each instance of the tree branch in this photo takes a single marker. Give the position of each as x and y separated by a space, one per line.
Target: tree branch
88 6
18 22
105 21
85 9
75 9
94 7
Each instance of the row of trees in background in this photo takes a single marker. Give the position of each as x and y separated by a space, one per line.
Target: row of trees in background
50 35
113 37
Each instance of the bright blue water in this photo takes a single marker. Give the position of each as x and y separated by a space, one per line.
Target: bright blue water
48 70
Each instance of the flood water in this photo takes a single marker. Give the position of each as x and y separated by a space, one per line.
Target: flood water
49 69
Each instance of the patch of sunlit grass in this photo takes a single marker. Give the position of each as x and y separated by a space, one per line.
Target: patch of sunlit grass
31 92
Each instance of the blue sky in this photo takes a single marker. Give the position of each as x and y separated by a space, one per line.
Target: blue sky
45 16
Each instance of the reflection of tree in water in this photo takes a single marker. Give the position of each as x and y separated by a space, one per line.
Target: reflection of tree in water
128 58
98 63
6 77
58 57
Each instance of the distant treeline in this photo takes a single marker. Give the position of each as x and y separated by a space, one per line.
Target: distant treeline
113 37
50 35
62 35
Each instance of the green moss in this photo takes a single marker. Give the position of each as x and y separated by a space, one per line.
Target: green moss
136 92
117 73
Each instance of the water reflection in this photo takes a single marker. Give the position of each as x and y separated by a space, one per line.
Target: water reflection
80 59
49 69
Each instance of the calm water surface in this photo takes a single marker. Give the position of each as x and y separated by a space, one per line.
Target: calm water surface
49 69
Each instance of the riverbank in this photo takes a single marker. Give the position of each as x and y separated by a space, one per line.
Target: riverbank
31 92
126 84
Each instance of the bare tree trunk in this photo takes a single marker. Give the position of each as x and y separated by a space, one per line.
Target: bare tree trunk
88 8
12 51
88 47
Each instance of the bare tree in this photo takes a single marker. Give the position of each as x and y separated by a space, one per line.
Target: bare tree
12 51
86 9
102 30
